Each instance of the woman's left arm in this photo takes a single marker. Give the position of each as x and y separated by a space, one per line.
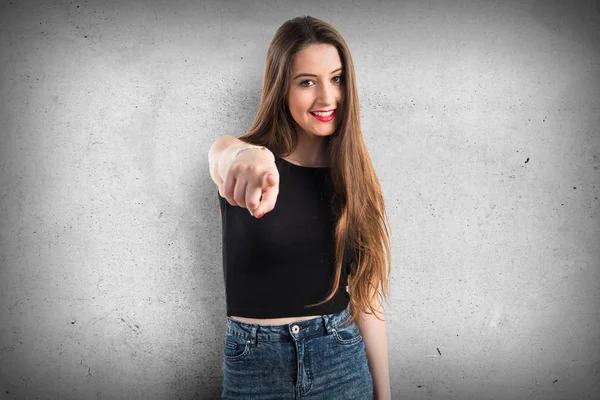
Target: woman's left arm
373 332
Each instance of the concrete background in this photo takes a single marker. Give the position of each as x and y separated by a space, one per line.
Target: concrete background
481 118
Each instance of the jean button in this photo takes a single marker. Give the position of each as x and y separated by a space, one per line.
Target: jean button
295 329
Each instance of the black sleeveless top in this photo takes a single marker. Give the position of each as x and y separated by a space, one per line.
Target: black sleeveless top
275 265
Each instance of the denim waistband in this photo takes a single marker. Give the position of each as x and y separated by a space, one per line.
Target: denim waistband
287 332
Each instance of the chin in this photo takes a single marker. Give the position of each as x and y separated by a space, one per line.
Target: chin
323 134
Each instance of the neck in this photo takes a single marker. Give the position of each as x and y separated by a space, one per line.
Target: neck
311 150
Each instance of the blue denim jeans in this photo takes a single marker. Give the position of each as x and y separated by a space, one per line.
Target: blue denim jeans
316 359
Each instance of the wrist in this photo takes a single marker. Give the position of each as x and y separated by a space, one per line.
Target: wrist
231 153
250 147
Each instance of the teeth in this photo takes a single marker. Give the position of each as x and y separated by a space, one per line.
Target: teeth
323 114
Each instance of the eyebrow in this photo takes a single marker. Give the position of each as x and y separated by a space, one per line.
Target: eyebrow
332 72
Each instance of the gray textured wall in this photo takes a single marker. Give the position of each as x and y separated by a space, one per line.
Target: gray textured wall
481 118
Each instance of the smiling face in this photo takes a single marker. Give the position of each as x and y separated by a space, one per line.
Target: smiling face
316 85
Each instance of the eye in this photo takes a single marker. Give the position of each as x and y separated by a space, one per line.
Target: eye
340 79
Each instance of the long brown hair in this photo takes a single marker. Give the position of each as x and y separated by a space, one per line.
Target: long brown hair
362 221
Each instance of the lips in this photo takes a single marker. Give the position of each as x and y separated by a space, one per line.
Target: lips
325 118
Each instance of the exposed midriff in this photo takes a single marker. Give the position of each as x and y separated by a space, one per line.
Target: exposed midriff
273 321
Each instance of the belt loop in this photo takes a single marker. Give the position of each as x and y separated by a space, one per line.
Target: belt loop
253 335
326 323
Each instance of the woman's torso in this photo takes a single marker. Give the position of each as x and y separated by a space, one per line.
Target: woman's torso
276 321
273 321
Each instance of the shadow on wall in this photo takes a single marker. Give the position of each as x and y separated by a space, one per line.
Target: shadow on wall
577 21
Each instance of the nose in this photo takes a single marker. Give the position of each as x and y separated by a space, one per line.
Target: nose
326 94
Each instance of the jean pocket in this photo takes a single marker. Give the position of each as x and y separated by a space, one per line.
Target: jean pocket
347 333
235 347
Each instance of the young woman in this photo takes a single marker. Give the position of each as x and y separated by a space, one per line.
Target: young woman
304 262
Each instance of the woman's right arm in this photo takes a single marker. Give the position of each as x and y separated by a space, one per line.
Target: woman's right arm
220 156
249 180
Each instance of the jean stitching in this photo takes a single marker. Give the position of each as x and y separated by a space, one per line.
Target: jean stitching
243 354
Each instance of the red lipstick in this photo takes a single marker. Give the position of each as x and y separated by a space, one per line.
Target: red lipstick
324 119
